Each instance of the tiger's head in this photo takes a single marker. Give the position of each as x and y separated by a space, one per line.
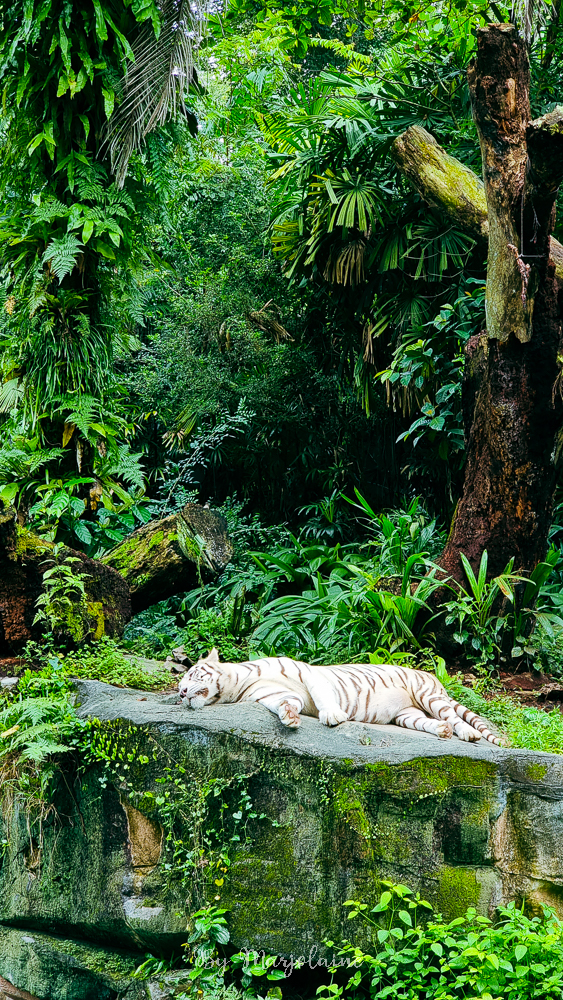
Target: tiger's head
201 685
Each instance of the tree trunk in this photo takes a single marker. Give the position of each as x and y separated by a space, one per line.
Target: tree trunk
446 184
514 370
24 558
169 556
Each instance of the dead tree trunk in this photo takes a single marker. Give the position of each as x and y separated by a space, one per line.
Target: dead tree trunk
513 390
510 474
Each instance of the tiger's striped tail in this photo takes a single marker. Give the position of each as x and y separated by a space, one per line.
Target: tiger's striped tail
474 720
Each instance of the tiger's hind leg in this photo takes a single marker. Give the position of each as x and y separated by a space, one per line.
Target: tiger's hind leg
465 732
440 706
414 718
443 709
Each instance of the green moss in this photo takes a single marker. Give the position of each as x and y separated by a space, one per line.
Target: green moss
156 539
348 805
95 611
429 775
28 543
187 543
125 556
536 772
458 888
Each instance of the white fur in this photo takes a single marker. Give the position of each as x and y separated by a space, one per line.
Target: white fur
382 693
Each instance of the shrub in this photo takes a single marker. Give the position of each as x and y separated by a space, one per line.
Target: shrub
517 957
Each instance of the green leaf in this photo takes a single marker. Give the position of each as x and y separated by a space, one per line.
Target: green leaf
87 230
63 37
86 124
109 100
82 532
101 27
104 250
63 85
9 492
21 88
35 142
470 574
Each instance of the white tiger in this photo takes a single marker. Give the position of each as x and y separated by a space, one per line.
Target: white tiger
384 693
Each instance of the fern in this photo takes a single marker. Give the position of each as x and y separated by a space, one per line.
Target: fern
49 210
35 728
84 411
10 395
123 464
61 255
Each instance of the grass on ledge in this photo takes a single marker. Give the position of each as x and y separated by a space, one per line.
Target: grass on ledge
101 661
526 727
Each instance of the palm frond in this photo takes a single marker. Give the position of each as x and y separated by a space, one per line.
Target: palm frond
11 393
154 84
530 15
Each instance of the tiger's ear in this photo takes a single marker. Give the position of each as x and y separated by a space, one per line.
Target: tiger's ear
213 656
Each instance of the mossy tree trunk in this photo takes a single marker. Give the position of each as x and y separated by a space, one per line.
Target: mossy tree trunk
512 404
24 558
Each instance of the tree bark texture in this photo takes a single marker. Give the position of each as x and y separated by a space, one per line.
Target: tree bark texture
171 555
24 558
446 184
513 372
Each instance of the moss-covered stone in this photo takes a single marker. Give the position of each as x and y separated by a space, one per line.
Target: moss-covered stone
53 968
24 558
306 820
167 556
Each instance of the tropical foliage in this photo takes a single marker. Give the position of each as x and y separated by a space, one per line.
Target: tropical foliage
218 286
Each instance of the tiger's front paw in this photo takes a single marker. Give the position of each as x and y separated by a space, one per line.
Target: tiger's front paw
444 730
332 716
289 715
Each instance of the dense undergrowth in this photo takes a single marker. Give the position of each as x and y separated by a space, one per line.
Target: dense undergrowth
413 953
301 596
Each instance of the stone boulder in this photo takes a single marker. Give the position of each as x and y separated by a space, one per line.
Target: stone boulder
171 555
309 818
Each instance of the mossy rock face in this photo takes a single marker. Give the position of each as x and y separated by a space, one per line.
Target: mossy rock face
171 555
323 816
52 968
